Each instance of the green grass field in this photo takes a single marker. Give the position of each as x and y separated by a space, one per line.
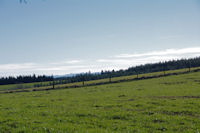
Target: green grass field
165 104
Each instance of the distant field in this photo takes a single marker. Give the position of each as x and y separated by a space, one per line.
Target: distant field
165 104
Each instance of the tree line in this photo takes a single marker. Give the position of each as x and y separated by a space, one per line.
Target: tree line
136 70
24 79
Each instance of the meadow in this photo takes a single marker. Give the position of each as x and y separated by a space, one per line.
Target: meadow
164 104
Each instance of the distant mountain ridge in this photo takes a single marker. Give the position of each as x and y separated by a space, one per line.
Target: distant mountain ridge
65 75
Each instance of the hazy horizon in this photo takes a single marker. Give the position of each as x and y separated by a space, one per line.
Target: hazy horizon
116 62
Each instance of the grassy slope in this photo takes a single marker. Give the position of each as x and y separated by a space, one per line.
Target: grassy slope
170 104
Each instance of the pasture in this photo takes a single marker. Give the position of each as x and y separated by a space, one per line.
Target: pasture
164 104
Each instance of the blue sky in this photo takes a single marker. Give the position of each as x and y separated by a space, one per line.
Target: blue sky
71 36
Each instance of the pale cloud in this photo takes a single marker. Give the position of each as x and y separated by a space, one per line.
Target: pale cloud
59 68
4 67
74 61
68 62
114 61
171 52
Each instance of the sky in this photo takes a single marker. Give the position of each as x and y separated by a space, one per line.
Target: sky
73 36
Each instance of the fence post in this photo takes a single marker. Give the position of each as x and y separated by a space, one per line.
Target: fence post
53 85
83 79
164 69
189 66
110 78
